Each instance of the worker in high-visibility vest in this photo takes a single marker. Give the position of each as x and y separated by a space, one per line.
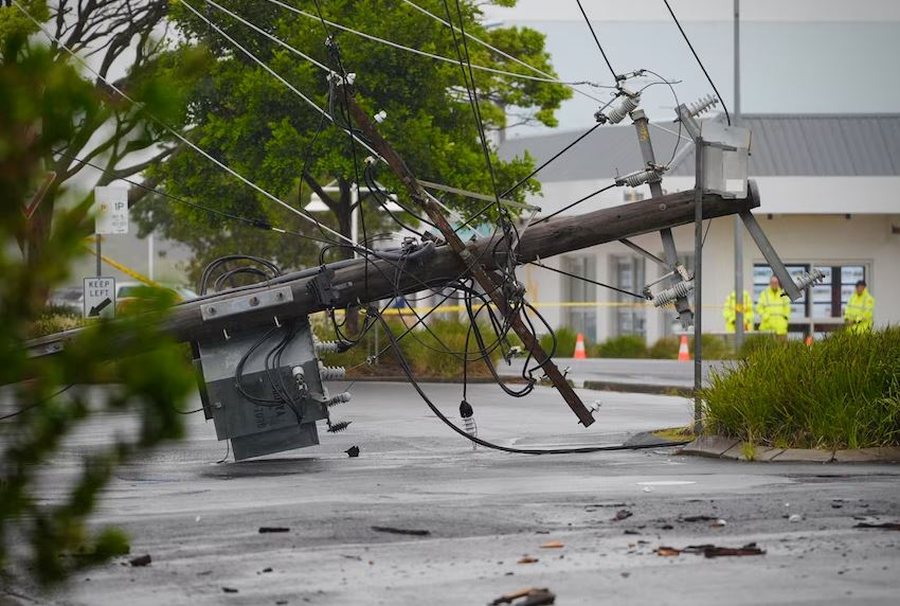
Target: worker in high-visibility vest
860 310
774 309
730 313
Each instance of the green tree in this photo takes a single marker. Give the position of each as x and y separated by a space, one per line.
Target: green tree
253 123
44 105
125 42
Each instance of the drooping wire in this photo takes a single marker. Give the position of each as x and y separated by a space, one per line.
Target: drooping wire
33 405
589 281
699 62
407 371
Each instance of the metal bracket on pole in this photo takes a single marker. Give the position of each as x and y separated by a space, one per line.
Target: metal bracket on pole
472 264
768 251
641 124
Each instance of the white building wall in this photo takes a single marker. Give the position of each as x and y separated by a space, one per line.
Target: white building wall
863 238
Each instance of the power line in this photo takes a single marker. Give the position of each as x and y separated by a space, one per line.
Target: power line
547 75
422 53
172 131
257 223
699 62
589 281
575 203
597 40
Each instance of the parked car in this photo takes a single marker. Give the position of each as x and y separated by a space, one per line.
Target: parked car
126 292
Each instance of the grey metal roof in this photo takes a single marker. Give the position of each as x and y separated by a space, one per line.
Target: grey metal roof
781 145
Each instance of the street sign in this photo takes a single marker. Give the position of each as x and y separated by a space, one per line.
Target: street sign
111 207
99 297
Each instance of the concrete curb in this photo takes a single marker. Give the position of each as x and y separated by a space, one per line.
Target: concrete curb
720 447
649 388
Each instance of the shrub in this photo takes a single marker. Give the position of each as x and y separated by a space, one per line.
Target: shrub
754 342
50 324
715 347
841 392
625 346
664 349
565 342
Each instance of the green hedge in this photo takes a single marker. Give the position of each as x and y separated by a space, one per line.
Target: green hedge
625 346
841 392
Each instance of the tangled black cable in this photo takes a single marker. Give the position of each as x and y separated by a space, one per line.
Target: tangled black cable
407 371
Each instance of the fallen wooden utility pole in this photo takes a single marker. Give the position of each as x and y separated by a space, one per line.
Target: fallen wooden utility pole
359 281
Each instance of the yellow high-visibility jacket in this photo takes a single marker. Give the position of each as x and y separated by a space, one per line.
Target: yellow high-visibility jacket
860 312
730 313
774 309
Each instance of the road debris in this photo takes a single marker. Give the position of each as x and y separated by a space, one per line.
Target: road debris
883 526
352 452
701 518
268 529
553 545
406 531
667 552
531 596
712 551
528 560
143 560
622 514
794 517
229 590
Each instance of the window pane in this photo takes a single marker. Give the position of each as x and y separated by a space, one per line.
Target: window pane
850 274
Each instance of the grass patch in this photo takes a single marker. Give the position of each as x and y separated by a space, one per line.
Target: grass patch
49 324
841 392
676 434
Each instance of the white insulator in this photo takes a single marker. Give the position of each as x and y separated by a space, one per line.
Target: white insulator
638 178
670 295
341 398
805 280
627 105
331 373
326 346
703 104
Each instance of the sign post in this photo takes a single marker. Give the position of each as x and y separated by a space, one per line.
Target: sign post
99 297
111 215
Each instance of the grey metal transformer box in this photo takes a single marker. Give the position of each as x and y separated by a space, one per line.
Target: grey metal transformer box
262 388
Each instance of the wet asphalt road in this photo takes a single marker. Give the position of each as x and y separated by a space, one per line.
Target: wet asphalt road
484 512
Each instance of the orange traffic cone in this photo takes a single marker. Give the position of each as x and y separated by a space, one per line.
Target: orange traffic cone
684 355
580 353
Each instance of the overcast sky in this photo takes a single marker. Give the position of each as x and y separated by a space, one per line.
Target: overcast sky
797 56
